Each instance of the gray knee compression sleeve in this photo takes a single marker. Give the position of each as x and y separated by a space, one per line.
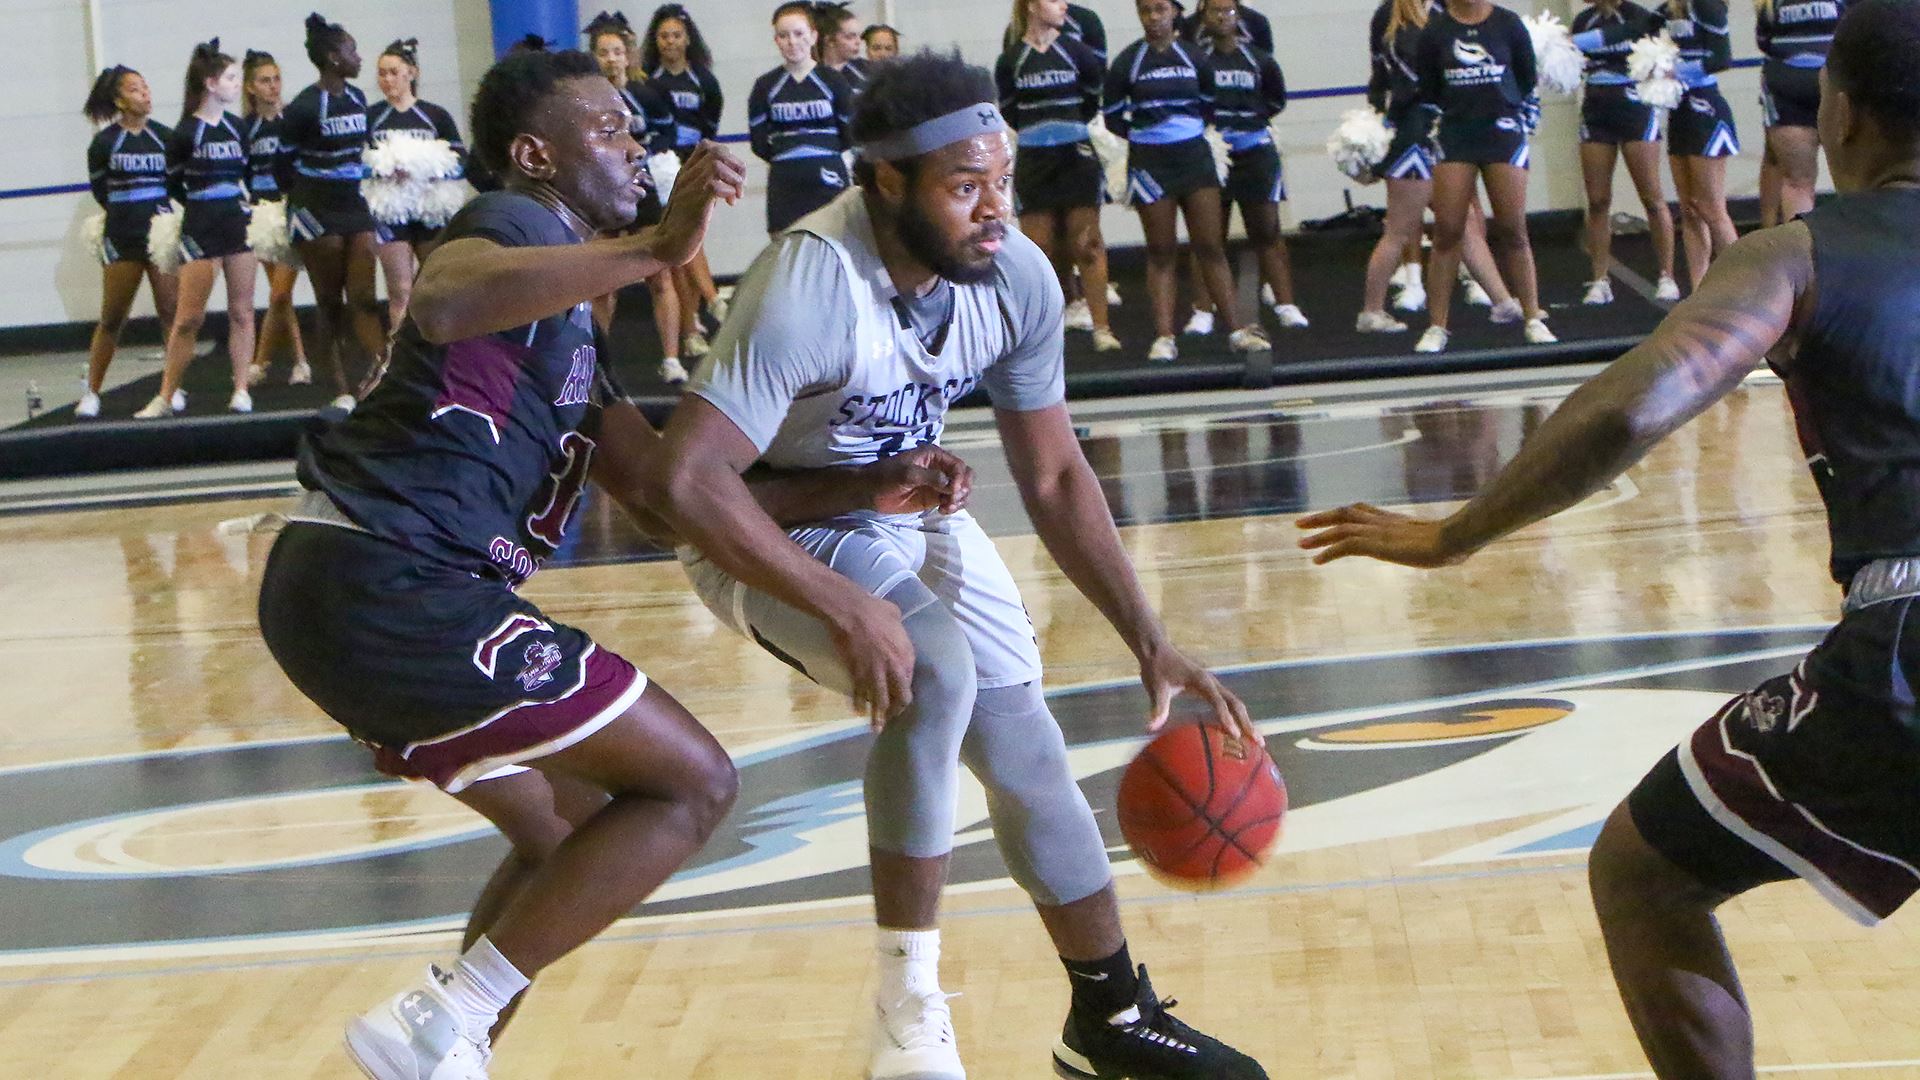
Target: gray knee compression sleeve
1041 820
912 772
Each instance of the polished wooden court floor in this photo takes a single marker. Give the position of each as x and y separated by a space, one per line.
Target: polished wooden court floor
200 878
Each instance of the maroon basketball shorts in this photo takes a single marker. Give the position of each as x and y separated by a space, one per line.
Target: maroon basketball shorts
449 677
1814 774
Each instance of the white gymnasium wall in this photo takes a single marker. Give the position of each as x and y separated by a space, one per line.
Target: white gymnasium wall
46 276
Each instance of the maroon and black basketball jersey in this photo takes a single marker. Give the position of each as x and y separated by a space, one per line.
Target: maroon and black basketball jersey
472 453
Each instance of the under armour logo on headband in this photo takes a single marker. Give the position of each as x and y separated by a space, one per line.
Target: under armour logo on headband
933 134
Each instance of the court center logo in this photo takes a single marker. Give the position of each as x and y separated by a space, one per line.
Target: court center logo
299 843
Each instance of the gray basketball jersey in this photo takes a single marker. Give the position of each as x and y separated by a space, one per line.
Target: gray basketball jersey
820 365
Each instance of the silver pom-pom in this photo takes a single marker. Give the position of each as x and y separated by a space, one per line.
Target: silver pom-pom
1653 62
93 233
1359 144
163 242
1112 150
443 199
267 234
406 173
665 168
1222 154
1557 58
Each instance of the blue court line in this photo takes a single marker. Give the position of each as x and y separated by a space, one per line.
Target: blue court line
361 955
1296 95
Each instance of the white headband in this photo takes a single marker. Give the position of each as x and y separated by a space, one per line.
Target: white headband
933 134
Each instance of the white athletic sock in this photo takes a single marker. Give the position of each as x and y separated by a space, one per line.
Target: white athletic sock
481 984
909 964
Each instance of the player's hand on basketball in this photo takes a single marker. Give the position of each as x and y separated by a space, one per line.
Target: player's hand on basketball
1167 673
1360 529
923 478
711 175
871 638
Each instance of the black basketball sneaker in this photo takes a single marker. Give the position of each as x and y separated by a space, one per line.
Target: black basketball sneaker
1146 1042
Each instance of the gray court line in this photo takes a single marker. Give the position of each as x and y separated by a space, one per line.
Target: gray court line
1169 900
1631 279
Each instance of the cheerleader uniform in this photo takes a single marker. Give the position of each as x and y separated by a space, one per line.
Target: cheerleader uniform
207 170
856 74
424 121
651 124
1048 96
322 136
800 127
1702 124
263 157
696 99
1248 92
1795 38
1611 111
1161 101
127 171
1481 77
1393 89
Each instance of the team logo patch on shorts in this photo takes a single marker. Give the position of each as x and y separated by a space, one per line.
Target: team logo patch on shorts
542 659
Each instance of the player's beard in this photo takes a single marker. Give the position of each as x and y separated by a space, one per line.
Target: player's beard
922 239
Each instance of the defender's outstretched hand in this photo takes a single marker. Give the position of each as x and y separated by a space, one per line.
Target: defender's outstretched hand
1366 530
711 175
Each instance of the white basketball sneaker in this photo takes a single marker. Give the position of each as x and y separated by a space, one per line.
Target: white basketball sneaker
1474 294
301 375
1433 341
240 402
1537 332
1599 293
1411 298
1290 316
913 1040
1378 322
1199 324
696 345
671 372
1248 339
416 1035
89 405
154 410
1105 341
1668 290
1164 350
1078 316
1113 295
1507 311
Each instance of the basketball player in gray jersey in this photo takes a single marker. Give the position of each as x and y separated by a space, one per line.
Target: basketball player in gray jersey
1814 774
849 339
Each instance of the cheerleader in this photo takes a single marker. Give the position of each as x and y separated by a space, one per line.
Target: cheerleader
1250 28
798 117
840 44
323 135
882 42
1794 37
1082 24
207 169
1476 63
260 84
1248 92
1049 88
127 170
403 115
679 65
611 39
1701 134
1159 98
1615 123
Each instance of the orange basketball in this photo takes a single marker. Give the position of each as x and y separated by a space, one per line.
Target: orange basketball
1200 808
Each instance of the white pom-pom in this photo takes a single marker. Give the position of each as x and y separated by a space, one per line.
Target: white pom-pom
1112 151
1557 58
393 202
1222 154
1360 143
664 167
443 199
1652 62
163 242
93 233
413 156
267 234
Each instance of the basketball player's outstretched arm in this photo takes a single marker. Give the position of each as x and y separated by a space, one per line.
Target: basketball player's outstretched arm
1741 312
1069 511
475 286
